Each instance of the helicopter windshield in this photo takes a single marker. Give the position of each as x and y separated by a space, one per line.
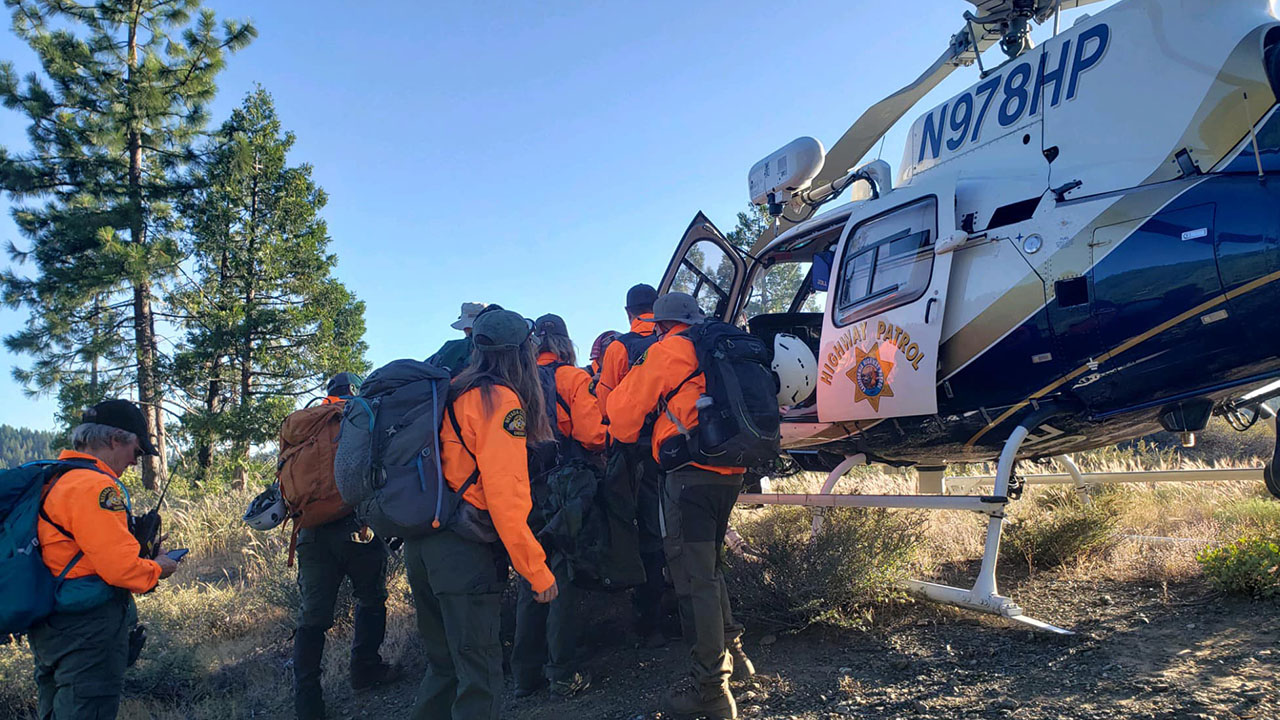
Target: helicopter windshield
784 287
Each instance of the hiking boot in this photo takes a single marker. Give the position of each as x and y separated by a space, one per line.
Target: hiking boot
743 669
380 674
524 691
574 685
713 702
653 641
309 706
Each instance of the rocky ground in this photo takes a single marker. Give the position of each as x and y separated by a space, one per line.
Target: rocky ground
1141 650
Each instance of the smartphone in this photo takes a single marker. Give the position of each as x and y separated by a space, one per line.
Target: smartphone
177 555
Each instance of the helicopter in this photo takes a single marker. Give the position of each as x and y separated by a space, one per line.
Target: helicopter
1080 249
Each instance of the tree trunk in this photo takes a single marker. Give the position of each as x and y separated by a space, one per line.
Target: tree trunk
246 347
204 448
149 394
96 339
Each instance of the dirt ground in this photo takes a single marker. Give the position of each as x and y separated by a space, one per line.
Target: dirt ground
1141 650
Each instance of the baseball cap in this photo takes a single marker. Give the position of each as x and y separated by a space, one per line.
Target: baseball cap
124 415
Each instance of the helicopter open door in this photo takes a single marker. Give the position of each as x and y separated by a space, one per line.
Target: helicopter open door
883 324
708 267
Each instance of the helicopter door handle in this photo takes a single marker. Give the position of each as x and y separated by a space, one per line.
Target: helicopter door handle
927 308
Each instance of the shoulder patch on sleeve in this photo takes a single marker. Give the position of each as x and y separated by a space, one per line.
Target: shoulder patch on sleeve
514 423
109 499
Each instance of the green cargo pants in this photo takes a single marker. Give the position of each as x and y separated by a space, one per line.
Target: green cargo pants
80 660
546 641
695 510
457 589
326 555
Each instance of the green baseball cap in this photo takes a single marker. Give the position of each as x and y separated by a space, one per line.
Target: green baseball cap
500 330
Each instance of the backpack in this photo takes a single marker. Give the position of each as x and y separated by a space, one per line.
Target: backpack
738 421
308 442
388 461
27 588
606 548
635 343
551 400
578 511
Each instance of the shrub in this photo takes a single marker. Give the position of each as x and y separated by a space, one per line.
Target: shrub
790 579
1248 566
1255 516
1061 529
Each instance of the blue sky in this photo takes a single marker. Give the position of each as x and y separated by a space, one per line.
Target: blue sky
545 156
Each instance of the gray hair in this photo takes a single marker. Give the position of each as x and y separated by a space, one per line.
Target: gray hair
559 345
93 436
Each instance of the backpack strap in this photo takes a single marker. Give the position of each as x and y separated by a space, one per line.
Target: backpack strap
457 429
665 400
555 368
63 470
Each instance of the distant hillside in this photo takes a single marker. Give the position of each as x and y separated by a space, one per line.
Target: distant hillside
20 445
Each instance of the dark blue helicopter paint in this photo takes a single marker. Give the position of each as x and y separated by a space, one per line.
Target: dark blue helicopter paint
1221 234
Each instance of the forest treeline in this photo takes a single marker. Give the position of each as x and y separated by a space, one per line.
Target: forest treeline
162 254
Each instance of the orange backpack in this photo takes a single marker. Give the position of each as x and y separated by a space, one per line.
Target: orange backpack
308 440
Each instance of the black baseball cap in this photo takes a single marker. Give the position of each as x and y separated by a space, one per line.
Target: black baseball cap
550 324
124 415
340 384
641 297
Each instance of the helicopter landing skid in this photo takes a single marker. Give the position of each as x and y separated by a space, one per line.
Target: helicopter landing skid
983 596
974 600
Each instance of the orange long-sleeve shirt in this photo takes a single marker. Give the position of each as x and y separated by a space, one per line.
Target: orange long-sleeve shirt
615 364
91 507
667 363
583 422
497 438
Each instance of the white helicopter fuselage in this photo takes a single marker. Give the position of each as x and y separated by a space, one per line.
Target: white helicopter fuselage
1089 234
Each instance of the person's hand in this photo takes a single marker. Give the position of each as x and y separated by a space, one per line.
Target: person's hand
167 565
548 595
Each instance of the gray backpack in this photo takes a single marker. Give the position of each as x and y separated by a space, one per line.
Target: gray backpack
387 464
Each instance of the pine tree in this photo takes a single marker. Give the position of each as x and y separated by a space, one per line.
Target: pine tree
270 323
775 287
112 123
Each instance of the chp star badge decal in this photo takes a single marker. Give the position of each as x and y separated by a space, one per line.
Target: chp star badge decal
870 376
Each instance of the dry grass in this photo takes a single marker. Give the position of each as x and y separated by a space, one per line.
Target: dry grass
220 631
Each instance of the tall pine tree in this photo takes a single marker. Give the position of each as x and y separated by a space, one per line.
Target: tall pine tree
270 323
112 123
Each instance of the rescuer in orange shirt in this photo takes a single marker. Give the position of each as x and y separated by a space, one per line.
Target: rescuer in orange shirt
696 503
579 415
626 348
545 648
597 355
457 582
646 476
82 650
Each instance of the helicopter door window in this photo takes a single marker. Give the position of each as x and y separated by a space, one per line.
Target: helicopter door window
706 273
887 263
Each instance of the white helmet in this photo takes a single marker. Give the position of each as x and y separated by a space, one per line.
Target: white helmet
267 510
796 369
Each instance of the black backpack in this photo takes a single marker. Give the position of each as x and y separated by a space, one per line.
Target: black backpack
738 422
635 343
387 464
